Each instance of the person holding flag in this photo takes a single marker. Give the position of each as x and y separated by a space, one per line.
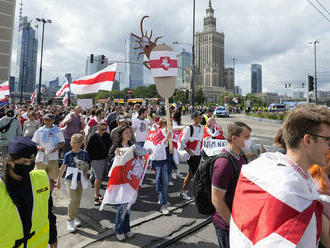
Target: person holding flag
212 130
126 175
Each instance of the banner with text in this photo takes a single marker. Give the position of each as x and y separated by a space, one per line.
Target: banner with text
213 147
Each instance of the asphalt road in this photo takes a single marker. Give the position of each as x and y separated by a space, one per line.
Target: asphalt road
146 204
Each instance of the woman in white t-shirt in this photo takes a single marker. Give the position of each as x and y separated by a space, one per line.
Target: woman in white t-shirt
140 127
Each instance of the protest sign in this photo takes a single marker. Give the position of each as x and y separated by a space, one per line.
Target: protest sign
213 147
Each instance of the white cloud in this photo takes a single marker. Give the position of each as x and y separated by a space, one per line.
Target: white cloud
272 33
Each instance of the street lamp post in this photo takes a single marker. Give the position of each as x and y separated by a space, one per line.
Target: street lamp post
42 48
193 62
23 77
315 74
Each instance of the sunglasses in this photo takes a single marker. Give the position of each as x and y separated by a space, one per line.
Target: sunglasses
327 138
103 129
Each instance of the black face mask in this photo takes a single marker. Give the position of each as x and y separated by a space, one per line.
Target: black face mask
23 170
10 113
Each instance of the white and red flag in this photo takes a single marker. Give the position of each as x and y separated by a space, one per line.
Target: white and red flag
276 204
126 175
65 88
33 96
4 89
65 100
102 80
235 100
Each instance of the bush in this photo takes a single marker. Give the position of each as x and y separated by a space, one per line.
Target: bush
269 115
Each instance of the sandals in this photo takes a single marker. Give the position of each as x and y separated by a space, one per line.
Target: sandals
97 200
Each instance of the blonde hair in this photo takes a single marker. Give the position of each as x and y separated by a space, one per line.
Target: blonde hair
76 138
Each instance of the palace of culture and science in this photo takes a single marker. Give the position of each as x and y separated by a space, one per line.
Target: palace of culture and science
210 72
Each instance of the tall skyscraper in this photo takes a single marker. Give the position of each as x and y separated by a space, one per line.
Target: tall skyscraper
210 73
7 16
184 61
26 64
134 66
256 78
95 63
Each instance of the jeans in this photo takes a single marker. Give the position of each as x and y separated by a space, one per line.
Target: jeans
162 179
223 236
141 144
122 219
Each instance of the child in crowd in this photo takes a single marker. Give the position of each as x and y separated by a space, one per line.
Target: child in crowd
76 164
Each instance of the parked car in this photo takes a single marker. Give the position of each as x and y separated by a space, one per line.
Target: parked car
276 107
221 111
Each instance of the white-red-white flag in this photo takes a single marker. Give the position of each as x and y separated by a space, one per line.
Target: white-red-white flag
235 100
4 89
102 80
33 96
65 100
65 88
276 204
126 175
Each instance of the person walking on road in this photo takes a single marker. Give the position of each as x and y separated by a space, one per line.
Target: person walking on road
224 179
49 140
26 204
190 140
276 203
98 149
76 165
31 125
140 127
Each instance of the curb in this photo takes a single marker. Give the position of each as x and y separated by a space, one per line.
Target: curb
134 223
264 119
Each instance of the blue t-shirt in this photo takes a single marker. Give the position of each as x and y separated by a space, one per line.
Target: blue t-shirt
69 162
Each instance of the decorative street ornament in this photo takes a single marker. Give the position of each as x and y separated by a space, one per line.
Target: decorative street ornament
145 43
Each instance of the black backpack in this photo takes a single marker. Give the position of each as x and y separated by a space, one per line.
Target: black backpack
203 183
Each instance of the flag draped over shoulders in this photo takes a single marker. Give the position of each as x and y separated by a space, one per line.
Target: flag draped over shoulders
276 204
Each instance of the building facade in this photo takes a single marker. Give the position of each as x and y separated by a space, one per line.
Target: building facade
95 63
210 72
134 64
238 90
184 61
7 17
256 78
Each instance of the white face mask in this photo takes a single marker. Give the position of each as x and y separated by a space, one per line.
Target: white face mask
247 143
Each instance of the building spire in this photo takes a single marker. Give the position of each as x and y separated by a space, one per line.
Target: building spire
21 10
210 4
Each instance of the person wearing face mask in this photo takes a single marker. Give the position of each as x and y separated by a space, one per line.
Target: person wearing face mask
10 127
26 204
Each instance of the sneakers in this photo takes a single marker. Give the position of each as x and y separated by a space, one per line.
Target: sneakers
120 237
164 210
174 175
167 204
71 227
76 222
185 196
170 183
129 234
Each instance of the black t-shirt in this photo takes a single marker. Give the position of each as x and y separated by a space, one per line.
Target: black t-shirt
98 146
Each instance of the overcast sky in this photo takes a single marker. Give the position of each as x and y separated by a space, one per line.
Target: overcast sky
274 33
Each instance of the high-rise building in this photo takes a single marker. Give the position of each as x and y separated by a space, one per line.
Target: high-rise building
54 83
95 63
26 64
134 66
7 16
210 73
184 61
256 78
238 90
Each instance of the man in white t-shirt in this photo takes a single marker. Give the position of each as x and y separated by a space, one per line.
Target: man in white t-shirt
140 127
49 139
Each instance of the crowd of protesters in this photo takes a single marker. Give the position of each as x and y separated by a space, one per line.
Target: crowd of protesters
84 143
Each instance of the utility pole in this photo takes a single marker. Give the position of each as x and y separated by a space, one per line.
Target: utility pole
193 62
315 73
69 78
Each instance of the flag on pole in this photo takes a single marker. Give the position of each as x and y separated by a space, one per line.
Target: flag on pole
33 96
102 80
126 175
4 89
65 88
65 100
276 204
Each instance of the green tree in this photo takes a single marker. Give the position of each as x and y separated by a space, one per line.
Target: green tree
199 96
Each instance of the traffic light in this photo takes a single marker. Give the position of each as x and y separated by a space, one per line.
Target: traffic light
102 59
91 58
310 83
